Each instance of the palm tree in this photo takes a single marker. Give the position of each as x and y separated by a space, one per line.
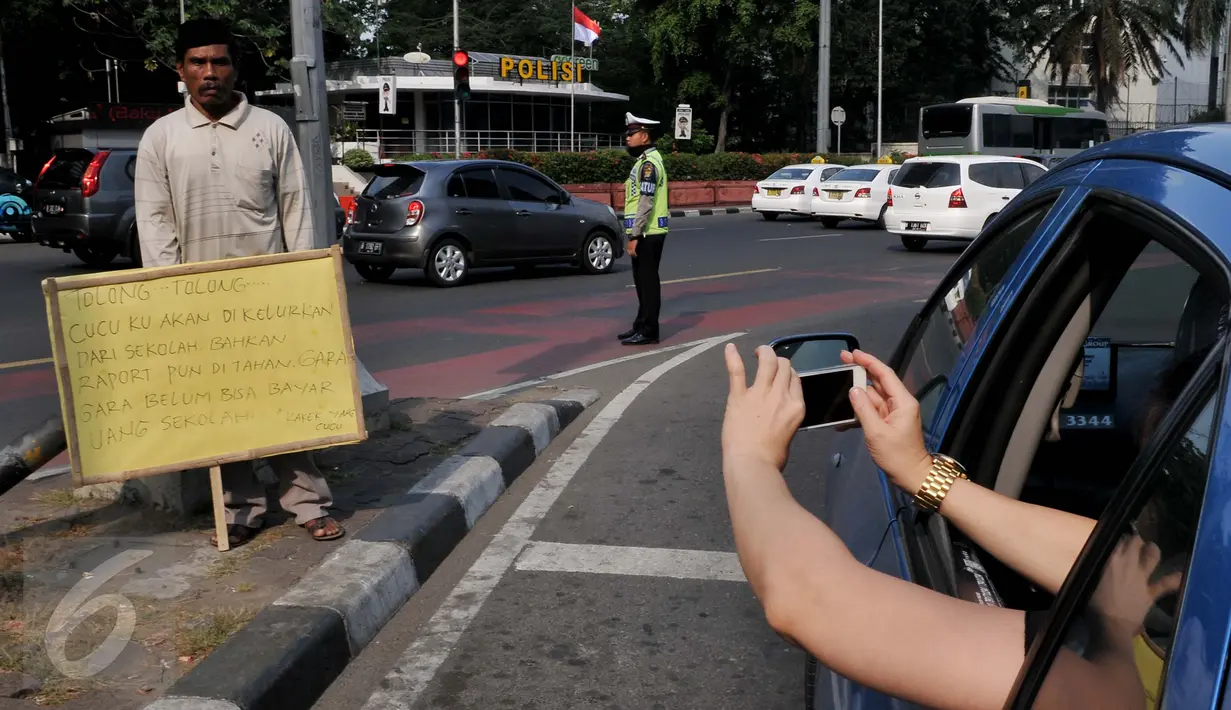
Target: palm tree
1115 39
1202 23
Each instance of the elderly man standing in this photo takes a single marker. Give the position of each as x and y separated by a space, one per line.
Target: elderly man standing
219 179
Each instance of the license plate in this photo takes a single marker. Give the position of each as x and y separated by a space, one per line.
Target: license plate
774 192
53 209
834 194
916 226
370 247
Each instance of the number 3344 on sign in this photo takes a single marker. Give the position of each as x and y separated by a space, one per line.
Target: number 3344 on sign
1088 421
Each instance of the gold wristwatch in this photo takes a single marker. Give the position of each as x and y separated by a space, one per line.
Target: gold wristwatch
945 470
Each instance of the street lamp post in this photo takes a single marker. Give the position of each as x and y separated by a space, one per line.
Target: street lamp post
880 81
822 76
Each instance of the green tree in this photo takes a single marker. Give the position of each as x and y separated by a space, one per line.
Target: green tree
714 46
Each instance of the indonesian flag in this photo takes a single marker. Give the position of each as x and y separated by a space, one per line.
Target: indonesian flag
585 30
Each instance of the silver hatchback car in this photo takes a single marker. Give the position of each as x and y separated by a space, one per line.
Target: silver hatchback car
446 217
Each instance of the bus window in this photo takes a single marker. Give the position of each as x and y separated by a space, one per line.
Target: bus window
948 121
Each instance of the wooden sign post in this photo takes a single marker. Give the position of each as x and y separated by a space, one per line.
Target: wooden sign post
204 364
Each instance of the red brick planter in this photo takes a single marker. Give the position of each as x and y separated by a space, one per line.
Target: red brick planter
700 193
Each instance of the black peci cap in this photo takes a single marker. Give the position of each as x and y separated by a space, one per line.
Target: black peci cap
203 33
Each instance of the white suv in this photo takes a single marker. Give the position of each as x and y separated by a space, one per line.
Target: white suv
953 197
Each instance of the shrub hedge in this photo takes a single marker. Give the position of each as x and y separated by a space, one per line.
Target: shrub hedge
606 166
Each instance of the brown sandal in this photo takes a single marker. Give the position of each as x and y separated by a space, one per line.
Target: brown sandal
319 527
236 535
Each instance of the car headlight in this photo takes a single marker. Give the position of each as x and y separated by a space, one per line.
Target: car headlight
612 211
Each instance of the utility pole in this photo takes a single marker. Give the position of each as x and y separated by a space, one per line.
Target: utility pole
312 135
457 103
822 77
1226 69
9 161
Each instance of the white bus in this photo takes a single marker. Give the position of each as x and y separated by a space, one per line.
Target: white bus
995 125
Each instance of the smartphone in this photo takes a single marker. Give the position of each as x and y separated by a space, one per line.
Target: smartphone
827 400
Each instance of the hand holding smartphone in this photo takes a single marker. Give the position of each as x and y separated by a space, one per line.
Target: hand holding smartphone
827 401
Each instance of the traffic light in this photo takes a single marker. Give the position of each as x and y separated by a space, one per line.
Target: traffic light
461 74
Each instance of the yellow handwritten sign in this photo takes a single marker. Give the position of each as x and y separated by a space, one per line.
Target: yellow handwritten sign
202 364
537 69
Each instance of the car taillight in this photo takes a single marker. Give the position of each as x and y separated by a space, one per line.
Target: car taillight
957 199
414 213
756 190
797 190
889 200
863 192
816 192
90 181
350 214
44 170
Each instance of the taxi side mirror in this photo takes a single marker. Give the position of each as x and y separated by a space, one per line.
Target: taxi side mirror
814 351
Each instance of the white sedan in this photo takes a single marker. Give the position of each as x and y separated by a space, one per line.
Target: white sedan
790 190
859 192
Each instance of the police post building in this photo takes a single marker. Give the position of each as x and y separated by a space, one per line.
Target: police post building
515 102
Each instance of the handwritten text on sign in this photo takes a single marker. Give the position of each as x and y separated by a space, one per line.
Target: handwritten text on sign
194 367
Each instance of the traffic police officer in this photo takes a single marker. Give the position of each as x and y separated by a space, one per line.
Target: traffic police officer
645 224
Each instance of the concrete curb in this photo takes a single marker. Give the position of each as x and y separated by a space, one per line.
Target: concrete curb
291 651
707 211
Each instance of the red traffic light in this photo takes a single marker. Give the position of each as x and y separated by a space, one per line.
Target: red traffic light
461 58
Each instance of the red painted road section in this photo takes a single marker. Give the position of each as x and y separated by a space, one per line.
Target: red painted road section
562 334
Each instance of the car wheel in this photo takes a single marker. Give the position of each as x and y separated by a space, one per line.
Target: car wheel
880 221
769 216
375 274
447 264
830 222
94 255
914 243
597 254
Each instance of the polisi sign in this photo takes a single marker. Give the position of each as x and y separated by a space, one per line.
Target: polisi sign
540 70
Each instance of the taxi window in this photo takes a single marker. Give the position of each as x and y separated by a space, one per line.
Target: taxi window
1117 648
791 174
950 326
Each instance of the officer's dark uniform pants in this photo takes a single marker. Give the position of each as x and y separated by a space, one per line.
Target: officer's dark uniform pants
649 288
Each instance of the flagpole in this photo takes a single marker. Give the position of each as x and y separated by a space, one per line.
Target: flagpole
572 60
590 105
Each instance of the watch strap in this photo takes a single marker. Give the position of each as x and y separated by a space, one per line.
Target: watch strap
944 472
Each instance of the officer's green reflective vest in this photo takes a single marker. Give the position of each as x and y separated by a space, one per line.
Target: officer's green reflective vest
632 194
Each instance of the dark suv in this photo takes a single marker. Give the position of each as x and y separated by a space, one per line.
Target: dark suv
83 203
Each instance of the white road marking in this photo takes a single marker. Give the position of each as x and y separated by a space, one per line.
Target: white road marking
418 665
48 472
807 236
711 277
631 561
686 229
497 392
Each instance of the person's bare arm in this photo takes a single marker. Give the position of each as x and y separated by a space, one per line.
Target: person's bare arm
882 632
157 235
1039 543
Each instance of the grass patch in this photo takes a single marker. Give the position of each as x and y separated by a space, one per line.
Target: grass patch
198 637
233 560
56 498
245 587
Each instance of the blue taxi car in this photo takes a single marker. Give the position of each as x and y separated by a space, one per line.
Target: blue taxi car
1075 356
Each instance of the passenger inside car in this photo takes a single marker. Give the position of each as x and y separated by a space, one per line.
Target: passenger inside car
912 642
